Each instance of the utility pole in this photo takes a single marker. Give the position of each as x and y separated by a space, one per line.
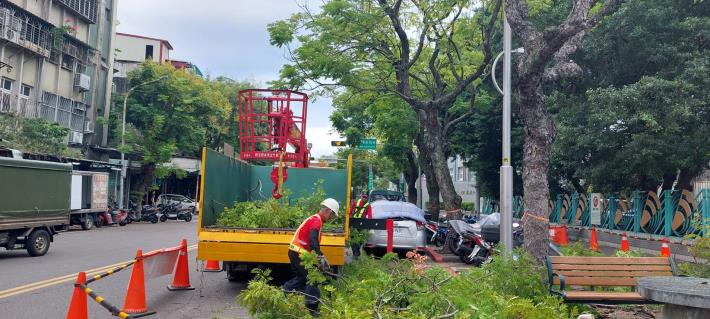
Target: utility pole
506 170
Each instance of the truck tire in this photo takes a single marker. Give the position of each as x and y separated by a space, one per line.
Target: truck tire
87 222
38 243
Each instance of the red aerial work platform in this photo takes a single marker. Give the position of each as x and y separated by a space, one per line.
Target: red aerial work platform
272 124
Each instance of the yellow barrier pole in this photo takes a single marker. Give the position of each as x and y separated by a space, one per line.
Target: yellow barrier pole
202 189
347 199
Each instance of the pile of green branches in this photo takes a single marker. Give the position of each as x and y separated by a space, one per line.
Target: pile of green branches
410 288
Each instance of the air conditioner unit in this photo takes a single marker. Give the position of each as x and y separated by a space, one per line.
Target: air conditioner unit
11 31
88 127
82 82
75 138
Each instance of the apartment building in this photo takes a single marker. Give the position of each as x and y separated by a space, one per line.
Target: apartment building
132 50
56 60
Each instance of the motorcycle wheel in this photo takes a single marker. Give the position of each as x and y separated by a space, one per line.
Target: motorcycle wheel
163 218
99 221
153 219
452 242
188 218
122 223
476 260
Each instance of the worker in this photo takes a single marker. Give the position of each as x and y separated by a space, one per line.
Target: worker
307 239
360 209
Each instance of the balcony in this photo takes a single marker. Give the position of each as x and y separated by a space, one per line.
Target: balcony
25 30
22 107
87 9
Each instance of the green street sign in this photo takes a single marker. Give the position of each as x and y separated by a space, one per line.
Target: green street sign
367 144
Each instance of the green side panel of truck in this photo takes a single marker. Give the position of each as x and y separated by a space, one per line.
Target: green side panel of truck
33 193
229 180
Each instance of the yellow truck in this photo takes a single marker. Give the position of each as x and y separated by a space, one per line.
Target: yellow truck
226 180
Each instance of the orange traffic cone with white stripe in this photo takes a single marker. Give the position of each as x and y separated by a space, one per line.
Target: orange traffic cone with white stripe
135 296
665 249
181 280
624 243
593 243
78 307
212 266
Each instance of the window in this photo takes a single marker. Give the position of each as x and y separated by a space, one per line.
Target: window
459 174
68 62
54 56
6 84
25 90
149 52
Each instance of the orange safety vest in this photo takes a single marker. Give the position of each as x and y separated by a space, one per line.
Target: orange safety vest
359 210
298 244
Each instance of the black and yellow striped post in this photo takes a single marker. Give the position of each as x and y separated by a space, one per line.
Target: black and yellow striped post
111 308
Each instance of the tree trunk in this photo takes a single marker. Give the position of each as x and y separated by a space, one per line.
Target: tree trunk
668 180
539 135
432 205
411 174
434 149
685 179
144 181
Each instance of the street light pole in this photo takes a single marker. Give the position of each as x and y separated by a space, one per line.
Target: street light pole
123 142
506 170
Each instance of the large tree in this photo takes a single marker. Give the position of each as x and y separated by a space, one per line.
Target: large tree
426 52
177 114
547 58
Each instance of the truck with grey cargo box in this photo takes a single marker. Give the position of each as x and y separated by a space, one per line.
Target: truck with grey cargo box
34 203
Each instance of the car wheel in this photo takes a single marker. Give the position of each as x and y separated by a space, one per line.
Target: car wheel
163 218
87 223
38 243
188 217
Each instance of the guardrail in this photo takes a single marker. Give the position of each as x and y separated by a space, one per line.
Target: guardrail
672 213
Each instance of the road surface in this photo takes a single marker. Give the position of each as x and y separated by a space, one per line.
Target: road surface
41 287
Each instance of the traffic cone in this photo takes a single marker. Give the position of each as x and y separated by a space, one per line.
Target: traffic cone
562 240
593 243
624 243
181 280
78 307
212 266
135 296
665 249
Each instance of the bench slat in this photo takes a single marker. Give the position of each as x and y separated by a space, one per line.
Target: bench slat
598 281
603 296
610 260
555 268
612 273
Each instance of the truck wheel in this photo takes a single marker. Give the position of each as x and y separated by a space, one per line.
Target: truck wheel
38 243
87 222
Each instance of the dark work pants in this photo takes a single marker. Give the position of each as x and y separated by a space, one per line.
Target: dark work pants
300 282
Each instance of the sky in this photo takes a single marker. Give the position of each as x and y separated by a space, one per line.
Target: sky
228 38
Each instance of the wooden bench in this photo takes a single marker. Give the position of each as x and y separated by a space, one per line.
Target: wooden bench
589 272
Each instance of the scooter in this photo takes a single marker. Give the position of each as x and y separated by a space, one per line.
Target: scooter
113 216
171 211
475 245
148 213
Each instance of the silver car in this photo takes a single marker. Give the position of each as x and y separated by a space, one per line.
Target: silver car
184 203
408 235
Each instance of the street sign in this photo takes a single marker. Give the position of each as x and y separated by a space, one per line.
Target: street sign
596 209
338 143
367 144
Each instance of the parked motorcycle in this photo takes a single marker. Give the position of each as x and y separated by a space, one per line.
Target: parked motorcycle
113 216
474 245
148 213
172 211
439 230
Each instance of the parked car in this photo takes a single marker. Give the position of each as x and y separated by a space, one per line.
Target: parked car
409 225
185 203
383 194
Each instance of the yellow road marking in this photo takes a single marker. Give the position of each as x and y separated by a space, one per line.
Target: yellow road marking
62 279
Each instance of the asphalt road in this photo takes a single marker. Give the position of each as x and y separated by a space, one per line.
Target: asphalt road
41 287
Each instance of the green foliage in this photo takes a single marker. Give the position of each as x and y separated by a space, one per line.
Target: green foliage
35 135
409 288
630 253
700 249
274 213
358 236
579 248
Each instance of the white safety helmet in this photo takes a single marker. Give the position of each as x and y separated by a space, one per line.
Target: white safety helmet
332 204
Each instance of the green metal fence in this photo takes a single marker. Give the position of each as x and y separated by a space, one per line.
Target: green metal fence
672 213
